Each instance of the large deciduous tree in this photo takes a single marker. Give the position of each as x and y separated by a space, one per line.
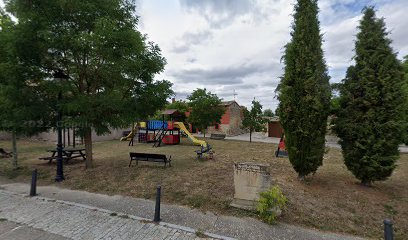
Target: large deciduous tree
369 122
206 109
110 64
254 119
23 111
304 91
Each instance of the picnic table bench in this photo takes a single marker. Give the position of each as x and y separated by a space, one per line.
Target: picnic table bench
149 157
67 154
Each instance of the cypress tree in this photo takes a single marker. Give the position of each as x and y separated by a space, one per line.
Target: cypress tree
369 122
304 91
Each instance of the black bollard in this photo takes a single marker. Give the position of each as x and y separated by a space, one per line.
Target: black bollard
33 190
157 208
388 232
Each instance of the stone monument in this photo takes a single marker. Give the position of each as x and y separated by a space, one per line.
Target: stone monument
249 180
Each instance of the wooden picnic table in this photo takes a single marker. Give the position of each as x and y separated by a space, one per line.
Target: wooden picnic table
67 154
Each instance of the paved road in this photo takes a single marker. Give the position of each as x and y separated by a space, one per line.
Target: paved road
331 141
240 228
46 218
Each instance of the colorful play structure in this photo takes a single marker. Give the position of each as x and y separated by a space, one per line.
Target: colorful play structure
166 132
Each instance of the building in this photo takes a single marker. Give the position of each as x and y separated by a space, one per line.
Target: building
231 121
274 128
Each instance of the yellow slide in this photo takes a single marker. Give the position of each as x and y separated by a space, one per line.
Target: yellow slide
192 138
130 136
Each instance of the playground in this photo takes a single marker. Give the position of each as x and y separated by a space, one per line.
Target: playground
330 201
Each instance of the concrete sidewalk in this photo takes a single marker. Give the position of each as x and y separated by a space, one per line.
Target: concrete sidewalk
56 219
97 210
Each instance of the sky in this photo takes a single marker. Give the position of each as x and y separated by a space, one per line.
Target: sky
237 45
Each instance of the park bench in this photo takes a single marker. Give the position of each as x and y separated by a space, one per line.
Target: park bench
217 136
149 157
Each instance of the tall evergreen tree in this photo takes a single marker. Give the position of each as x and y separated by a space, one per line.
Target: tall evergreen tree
405 67
304 92
369 122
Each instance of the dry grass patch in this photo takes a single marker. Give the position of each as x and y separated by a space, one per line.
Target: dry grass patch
331 200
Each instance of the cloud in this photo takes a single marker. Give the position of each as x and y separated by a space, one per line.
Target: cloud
218 13
228 75
190 39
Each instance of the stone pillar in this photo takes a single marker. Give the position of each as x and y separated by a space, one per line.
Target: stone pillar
249 180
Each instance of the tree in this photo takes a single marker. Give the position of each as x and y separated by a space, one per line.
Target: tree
372 101
253 119
180 106
22 110
111 65
206 109
268 113
304 91
405 67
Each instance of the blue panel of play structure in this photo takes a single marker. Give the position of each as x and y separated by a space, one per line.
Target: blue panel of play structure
156 124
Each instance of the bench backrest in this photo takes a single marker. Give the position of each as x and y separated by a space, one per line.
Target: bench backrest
148 155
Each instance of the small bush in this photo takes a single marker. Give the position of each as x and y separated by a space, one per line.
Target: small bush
270 203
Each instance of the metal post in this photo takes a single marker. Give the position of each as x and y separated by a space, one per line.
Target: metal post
73 137
60 172
388 232
69 137
33 189
63 134
157 208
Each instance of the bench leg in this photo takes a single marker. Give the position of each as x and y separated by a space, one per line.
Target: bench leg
130 162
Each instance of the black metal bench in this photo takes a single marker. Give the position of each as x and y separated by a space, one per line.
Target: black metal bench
217 136
149 157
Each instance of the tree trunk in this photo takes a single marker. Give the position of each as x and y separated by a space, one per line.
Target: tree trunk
250 136
15 157
204 132
88 148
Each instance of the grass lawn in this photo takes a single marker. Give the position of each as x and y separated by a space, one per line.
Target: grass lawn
331 200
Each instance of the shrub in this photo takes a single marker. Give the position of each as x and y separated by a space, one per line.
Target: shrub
270 204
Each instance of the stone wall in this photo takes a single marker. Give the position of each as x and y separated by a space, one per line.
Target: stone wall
233 127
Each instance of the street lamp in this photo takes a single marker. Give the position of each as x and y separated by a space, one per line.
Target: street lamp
59 76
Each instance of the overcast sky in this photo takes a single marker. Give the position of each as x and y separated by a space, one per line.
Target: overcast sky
227 45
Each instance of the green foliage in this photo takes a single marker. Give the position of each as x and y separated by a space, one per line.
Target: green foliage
370 120
304 91
111 65
181 106
253 119
22 108
405 67
268 113
206 109
269 203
